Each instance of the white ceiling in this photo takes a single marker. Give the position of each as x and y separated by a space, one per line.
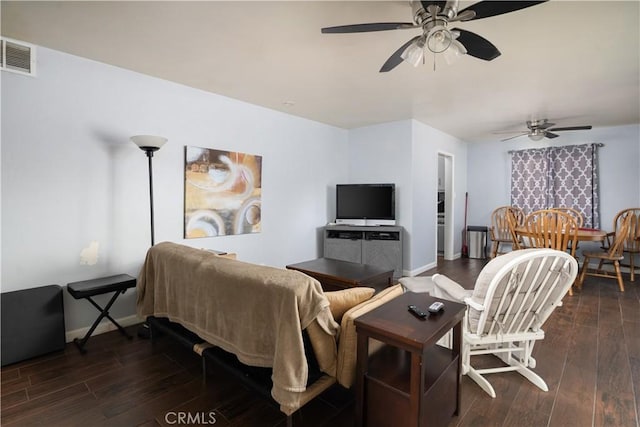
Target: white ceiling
574 62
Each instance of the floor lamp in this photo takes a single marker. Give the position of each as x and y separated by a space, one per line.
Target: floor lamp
149 144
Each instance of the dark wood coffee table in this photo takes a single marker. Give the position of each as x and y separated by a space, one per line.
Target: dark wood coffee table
335 275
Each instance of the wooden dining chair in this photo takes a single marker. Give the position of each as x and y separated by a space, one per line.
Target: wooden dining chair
500 231
577 215
514 222
613 254
549 228
631 244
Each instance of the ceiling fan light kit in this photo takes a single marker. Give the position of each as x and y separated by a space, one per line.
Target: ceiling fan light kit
536 135
433 18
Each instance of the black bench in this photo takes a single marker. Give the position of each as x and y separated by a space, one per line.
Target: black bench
255 378
103 285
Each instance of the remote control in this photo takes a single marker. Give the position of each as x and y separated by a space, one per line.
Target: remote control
436 307
417 312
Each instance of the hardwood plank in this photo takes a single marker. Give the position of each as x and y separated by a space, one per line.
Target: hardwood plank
64 361
587 312
61 413
129 376
41 404
615 402
159 404
630 306
488 411
632 338
235 405
471 392
68 377
532 406
11 399
262 414
576 391
140 394
9 374
12 386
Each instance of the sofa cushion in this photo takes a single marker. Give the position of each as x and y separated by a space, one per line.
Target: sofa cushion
347 346
342 301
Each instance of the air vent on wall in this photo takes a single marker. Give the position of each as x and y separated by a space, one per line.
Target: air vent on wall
18 57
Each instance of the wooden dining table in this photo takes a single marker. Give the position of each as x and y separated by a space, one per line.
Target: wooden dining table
584 234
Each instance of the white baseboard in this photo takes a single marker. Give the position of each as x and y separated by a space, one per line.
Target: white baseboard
419 270
104 326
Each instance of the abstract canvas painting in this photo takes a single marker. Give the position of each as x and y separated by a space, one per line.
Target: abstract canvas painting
222 193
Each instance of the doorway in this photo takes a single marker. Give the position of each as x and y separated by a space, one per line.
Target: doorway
444 223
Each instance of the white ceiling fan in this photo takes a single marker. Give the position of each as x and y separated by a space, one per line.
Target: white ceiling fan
539 129
433 18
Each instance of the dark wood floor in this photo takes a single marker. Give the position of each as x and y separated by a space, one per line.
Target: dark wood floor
590 360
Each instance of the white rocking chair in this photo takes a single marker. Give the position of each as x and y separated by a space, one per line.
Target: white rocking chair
513 296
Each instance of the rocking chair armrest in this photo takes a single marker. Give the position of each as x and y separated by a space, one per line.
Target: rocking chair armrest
443 287
474 305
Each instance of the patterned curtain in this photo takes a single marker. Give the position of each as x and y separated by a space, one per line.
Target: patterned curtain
557 177
530 179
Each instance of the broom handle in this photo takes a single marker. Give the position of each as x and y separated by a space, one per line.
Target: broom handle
464 230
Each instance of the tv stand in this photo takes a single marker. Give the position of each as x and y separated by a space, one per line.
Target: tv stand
378 245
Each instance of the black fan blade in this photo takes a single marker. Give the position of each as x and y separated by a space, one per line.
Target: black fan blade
571 128
363 28
550 135
477 46
395 59
485 9
545 125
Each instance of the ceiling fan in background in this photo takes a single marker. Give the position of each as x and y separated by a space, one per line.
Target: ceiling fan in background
538 129
434 18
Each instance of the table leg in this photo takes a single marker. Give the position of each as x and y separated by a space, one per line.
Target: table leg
361 370
456 348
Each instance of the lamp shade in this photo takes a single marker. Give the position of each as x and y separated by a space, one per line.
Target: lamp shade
414 54
438 39
455 51
536 135
149 142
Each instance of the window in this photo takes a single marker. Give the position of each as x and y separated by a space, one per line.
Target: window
550 177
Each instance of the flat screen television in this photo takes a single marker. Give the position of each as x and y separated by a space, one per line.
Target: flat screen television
366 204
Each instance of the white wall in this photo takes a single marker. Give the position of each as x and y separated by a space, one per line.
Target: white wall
427 144
406 153
380 154
489 170
70 176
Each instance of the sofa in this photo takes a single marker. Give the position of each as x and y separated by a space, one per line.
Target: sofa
265 318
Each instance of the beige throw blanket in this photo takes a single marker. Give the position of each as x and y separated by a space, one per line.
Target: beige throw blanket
253 311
